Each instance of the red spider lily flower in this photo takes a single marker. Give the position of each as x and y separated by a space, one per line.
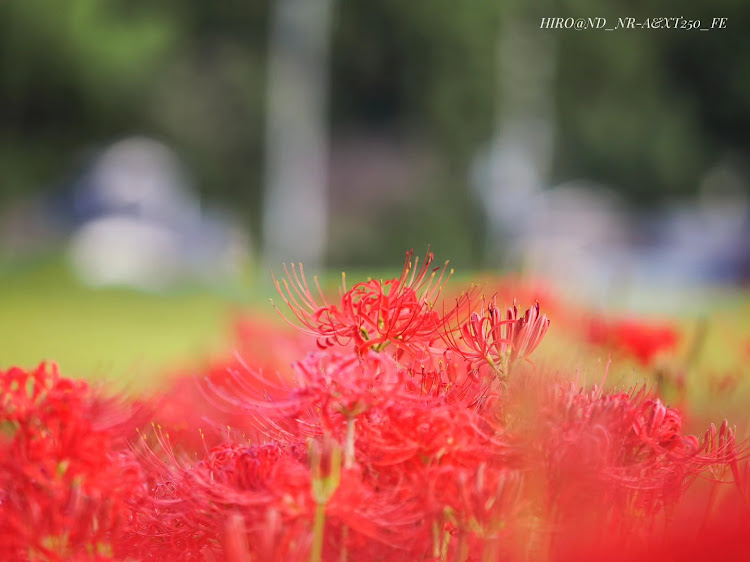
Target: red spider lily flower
405 451
194 510
687 534
482 338
499 340
258 346
331 391
352 385
402 439
641 340
367 521
526 333
371 314
448 378
65 488
396 447
482 501
349 511
619 452
266 343
719 450
259 502
193 416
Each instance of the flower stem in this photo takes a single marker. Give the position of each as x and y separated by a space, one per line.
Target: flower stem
343 554
462 548
316 554
349 458
495 367
435 540
349 455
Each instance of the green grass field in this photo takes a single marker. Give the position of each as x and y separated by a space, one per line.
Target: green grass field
118 335
125 337
132 338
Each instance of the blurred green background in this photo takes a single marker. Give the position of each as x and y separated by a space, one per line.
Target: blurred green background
645 112
415 95
122 336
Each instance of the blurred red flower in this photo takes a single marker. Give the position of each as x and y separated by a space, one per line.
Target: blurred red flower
639 339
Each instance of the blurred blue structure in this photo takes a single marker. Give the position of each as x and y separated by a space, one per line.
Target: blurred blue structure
141 225
131 219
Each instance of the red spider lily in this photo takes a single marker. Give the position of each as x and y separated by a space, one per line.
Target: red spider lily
526 333
371 314
402 439
626 448
643 341
410 443
256 502
499 340
719 450
194 418
195 422
482 505
331 390
194 509
65 490
449 377
685 536
373 521
481 339
352 385
361 518
266 343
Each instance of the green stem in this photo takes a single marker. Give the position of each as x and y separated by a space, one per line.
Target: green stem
316 554
381 346
462 548
444 549
435 540
498 369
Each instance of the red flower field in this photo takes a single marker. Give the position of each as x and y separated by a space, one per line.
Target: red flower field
402 421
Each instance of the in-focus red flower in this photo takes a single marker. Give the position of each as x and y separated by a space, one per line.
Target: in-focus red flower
526 333
489 336
372 314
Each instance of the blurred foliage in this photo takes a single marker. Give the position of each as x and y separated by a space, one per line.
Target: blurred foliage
424 65
649 111
73 74
645 111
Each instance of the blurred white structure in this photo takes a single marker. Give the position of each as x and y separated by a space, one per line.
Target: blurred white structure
143 226
295 214
510 176
579 234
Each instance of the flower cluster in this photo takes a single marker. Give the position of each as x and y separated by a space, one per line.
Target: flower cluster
372 314
67 481
417 429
